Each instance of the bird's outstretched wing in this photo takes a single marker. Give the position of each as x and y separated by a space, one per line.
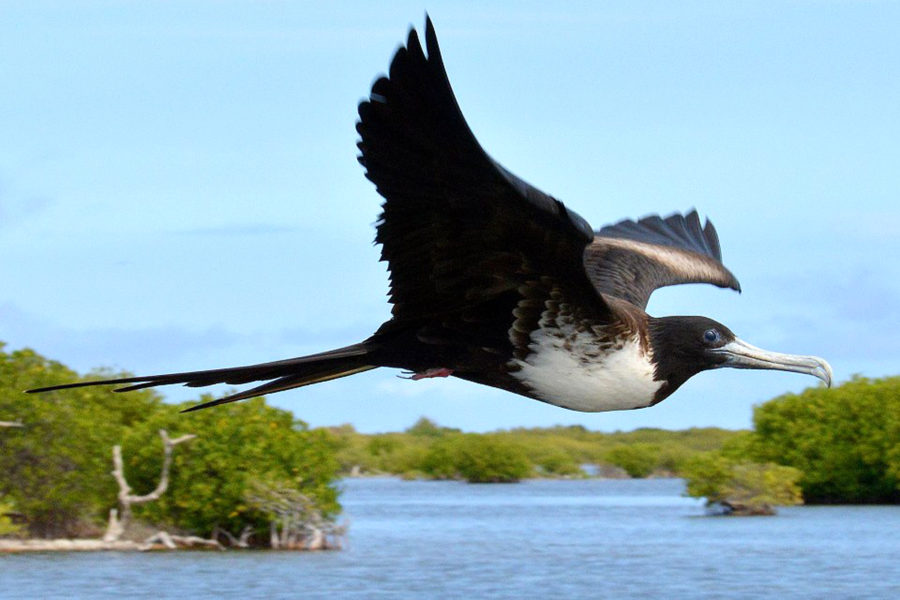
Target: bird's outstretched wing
630 259
457 229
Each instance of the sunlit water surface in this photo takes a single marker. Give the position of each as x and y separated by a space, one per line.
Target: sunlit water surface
538 539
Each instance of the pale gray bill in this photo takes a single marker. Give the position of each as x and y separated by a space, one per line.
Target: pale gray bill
741 355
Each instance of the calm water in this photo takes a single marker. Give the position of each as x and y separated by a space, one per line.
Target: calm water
539 539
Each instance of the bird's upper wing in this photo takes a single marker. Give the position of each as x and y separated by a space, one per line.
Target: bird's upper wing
632 258
457 228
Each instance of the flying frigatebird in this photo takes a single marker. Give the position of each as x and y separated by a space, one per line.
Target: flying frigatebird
496 282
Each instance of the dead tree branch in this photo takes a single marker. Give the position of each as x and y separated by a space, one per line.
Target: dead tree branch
242 541
295 522
119 519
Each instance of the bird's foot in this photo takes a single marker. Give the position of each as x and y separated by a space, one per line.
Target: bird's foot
428 373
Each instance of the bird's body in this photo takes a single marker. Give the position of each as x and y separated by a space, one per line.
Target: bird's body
496 282
571 369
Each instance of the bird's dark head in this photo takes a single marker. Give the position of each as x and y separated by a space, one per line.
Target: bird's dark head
685 346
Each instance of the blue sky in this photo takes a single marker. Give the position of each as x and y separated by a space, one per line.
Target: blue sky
179 188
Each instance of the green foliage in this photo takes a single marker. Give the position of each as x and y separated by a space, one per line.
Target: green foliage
740 446
476 458
351 449
707 476
668 449
755 484
845 440
560 464
395 452
428 428
749 487
381 447
7 526
55 468
439 461
490 459
638 459
237 446
425 449
840 444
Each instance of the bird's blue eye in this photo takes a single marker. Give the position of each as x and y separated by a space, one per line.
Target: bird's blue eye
711 336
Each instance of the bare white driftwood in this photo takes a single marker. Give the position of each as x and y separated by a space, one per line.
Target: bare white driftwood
173 542
119 519
64 545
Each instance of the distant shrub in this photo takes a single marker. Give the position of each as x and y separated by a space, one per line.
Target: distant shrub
488 459
671 460
440 460
559 463
423 450
7 526
425 427
744 487
638 459
476 458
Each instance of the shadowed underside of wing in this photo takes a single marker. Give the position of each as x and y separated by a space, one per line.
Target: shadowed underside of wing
630 259
457 229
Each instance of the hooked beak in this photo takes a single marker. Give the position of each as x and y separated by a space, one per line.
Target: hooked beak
739 354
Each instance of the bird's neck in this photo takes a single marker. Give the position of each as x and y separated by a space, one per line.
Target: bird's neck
672 366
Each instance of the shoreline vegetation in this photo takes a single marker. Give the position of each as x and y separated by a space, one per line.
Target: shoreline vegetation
83 470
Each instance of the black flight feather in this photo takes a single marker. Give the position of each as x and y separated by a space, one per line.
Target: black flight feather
456 227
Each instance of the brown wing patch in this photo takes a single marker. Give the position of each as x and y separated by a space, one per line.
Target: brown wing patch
631 259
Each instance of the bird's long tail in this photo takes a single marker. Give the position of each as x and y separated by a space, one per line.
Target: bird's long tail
279 375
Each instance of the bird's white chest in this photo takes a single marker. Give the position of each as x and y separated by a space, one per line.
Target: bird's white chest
572 370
